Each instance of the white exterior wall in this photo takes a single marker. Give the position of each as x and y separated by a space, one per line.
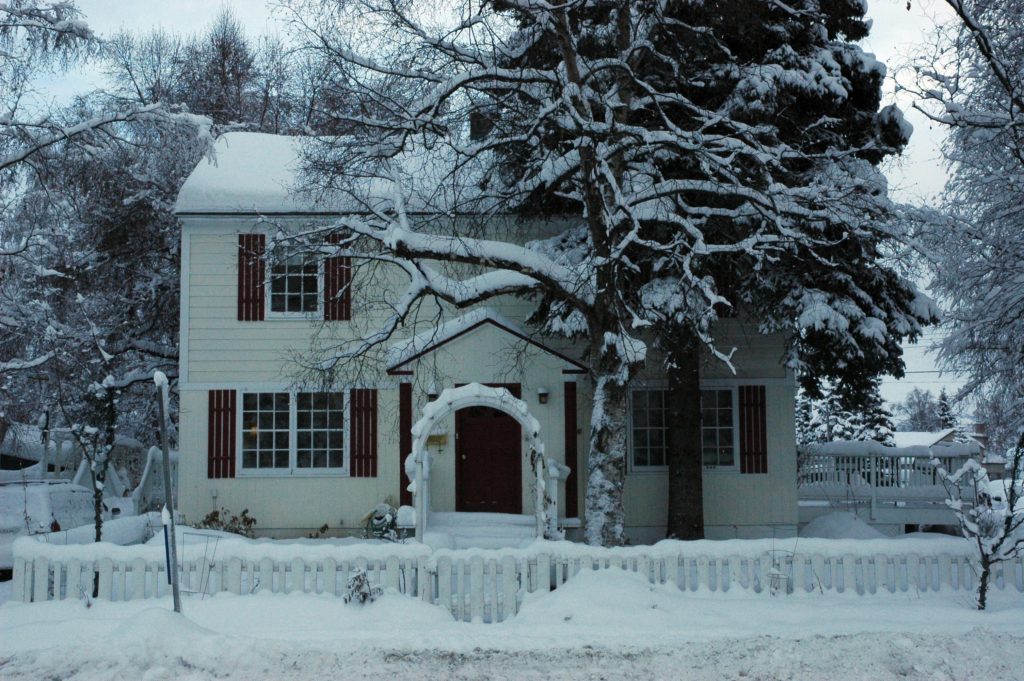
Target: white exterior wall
284 505
219 352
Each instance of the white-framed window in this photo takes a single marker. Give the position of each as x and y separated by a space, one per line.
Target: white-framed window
294 286
649 428
293 433
719 427
649 423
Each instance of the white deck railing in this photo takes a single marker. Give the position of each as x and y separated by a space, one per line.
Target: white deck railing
490 586
844 473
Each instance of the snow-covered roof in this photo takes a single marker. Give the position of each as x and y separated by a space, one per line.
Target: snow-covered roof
252 172
918 438
409 349
248 172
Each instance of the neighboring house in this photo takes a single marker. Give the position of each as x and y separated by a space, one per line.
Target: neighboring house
993 462
252 437
916 438
922 438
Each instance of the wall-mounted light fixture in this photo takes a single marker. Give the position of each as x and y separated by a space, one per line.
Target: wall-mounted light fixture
542 395
433 392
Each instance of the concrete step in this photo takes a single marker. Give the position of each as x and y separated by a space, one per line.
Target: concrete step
480 530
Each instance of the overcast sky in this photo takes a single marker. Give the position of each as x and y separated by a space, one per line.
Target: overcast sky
917 177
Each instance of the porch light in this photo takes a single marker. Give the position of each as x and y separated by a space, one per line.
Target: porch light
542 395
433 392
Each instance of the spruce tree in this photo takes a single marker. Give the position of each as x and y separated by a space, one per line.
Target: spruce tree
945 410
872 420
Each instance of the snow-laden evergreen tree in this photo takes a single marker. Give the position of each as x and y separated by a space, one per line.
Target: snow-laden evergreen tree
830 418
692 157
945 410
804 420
871 419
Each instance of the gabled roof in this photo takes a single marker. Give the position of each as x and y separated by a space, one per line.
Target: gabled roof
405 352
259 173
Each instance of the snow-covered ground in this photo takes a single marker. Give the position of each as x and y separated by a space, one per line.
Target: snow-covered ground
601 625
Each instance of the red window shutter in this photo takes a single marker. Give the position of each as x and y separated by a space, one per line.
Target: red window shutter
571 458
363 433
337 286
251 277
753 429
220 435
404 440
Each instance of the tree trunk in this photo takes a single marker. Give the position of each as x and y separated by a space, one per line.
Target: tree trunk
685 472
606 464
97 507
986 573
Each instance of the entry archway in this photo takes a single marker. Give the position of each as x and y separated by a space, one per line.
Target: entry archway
417 464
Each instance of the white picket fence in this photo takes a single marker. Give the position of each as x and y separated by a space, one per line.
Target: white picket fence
491 589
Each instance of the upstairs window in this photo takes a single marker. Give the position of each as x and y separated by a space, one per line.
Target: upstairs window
299 285
294 286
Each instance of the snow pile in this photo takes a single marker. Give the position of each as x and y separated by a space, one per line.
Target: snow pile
610 624
121 531
840 525
595 598
194 544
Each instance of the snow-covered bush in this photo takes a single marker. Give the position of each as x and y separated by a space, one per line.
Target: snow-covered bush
995 529
359 590
381 523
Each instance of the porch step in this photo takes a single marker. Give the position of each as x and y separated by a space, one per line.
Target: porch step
480 530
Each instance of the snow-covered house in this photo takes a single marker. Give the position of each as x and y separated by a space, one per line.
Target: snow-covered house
946 436
253 437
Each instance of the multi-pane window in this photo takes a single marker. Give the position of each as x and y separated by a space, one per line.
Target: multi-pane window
650 428
717 434
319 430
265 429
288 432
294 285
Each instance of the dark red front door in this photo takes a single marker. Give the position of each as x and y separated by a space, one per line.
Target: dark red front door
488 460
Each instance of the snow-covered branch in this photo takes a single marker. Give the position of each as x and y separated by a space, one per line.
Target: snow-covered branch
23 364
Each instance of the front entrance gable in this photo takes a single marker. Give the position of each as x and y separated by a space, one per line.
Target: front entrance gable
482 333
